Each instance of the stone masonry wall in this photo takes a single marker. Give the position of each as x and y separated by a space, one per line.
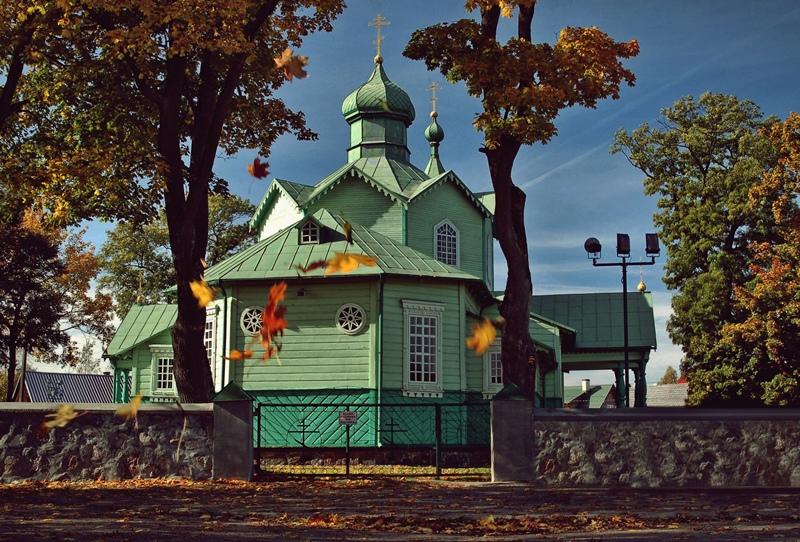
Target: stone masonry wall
101 445
666 448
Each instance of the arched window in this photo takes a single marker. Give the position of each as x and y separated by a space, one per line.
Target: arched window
445 247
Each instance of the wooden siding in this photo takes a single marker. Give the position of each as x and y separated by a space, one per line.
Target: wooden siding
282 214
142 365
364 205
315 354
451 333
447 202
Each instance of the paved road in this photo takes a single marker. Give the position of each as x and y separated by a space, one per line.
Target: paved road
334 509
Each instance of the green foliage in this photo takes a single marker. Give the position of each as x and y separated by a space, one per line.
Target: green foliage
31 308
136 259
702 161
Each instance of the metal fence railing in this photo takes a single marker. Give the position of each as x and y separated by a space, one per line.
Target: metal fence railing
438 426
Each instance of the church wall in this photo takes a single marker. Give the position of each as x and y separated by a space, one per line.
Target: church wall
448 202
451 332
364 205
315 353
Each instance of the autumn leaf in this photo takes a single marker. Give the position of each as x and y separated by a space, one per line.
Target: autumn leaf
292 65
203 292
60 418
272 320
257 169
483 336
239 356
349 262
313 265
130 410
348 230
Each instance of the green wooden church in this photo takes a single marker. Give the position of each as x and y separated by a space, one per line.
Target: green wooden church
390 335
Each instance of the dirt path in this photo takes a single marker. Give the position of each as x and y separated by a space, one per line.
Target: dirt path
392 509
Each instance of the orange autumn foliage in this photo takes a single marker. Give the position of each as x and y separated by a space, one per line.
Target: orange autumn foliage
483 335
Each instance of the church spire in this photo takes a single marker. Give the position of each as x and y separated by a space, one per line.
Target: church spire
434 134
379 113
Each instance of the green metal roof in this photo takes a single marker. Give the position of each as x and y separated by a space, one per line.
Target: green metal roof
597 395
278 256
598 318
140 324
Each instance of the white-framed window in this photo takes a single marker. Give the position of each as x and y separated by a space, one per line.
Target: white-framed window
422 348
492 371
162 369
350 318
208 334
445 248
251 320
309 233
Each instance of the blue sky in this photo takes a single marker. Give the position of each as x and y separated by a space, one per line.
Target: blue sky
575 188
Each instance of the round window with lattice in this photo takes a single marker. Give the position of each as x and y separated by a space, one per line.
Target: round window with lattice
350 318
251 320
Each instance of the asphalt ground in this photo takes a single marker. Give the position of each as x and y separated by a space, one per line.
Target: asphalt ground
326 509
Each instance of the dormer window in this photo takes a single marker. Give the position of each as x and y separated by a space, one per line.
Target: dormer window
446 243
309 233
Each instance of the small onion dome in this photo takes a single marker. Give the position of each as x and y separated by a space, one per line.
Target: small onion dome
434 133
642 286
379 96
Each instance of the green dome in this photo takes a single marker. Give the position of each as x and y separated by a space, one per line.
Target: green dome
434 133
379 96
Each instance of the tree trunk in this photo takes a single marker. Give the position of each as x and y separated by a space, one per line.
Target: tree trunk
518 351
12 370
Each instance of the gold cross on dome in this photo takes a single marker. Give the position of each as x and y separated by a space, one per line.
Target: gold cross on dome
433 88
379 22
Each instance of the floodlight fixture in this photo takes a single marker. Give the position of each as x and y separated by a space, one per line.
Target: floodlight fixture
593 248
652 248
623 245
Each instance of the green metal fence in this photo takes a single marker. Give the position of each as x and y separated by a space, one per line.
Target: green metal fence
377 432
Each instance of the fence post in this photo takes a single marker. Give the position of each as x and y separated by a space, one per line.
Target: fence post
233 434
512 436
438 441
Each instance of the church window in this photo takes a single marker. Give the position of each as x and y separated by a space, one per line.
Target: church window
208 334
350 319
493 371
422 351
446 243
309 233
162 369
251 320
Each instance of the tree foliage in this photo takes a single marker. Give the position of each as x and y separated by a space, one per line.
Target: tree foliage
140 97
670 376
764 349
136 261
702 161
523 87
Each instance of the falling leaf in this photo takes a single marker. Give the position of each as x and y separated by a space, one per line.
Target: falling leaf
257 169
203 292
483 336
60 418
313 265
130 410
292 65
272 320
348 230
349 262
239 356
384 105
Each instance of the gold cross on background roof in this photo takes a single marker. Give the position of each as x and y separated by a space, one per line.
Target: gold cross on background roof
379 22
433 88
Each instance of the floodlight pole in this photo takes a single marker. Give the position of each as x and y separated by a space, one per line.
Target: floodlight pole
593 247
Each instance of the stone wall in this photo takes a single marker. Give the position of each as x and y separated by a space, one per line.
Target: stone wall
664 447
100 445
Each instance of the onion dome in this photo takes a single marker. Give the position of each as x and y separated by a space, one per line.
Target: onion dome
379 96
